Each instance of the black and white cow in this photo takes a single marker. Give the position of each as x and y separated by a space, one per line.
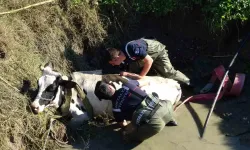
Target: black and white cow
51 91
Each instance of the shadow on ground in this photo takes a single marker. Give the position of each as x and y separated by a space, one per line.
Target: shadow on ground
231 114
97 137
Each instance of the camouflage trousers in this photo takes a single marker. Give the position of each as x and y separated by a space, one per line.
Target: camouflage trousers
157 122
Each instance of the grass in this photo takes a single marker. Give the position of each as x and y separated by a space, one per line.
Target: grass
30 38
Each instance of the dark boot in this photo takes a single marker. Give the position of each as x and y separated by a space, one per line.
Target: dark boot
173 122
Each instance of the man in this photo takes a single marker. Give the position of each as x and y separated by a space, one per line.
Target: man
142 55
148 114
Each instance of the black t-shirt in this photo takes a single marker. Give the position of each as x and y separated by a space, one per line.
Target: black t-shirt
135 50
125 103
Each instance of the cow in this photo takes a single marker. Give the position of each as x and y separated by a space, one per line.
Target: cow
52 90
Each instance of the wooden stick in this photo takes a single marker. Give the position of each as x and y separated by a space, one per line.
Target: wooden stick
26 7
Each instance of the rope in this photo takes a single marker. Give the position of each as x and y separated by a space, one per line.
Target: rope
27 7
6 82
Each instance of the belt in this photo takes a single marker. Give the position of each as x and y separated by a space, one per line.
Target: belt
153 112
146 106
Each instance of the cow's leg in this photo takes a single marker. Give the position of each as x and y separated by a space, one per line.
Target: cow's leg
78 116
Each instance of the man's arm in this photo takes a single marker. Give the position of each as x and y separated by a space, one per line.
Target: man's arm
148 61
131 75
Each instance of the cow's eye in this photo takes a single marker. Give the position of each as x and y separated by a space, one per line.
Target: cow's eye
46 102
51 88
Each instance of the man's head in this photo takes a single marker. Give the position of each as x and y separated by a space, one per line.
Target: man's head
116 56
104 90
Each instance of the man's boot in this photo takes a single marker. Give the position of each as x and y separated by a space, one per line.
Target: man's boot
179 76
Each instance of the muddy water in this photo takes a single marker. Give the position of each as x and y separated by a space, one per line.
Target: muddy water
186 136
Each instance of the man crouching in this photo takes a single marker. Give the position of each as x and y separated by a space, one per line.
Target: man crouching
147 113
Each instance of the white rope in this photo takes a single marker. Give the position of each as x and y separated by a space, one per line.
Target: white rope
26 7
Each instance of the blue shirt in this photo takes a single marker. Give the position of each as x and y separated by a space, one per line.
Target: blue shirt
135 50
126 101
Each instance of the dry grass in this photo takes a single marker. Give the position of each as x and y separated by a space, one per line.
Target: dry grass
30 38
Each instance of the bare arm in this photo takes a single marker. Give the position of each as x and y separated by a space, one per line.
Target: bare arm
131 75
148 61
142 81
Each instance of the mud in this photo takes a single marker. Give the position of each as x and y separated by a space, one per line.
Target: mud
186 136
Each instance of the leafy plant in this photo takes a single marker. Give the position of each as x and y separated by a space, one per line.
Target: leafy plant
219 13
109 2
159 7
76 1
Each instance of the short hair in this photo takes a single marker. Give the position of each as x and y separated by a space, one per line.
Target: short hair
112 53
102 91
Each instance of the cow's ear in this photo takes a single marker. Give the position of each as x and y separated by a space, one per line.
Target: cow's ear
67 84
59 79
47 66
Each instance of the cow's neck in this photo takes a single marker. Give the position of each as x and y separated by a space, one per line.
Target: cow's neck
64 104
58 99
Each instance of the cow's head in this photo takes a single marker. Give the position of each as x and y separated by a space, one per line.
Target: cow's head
49 89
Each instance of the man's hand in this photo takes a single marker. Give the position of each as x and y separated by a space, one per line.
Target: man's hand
131 75
123 124
116 85
124 73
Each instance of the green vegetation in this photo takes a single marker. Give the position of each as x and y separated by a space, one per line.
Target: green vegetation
217 13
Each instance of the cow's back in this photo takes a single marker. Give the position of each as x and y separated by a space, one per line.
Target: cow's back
167 89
